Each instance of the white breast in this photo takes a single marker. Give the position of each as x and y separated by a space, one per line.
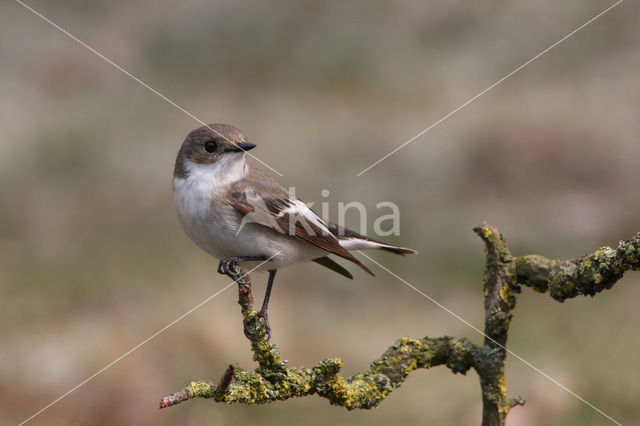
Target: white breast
208 223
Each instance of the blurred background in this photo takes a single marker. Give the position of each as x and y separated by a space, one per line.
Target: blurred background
93 261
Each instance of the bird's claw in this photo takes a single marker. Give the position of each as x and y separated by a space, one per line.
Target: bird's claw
228 266
231 268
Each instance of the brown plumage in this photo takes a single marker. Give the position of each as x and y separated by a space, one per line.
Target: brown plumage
277 200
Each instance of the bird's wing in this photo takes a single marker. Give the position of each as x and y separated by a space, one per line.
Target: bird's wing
262 200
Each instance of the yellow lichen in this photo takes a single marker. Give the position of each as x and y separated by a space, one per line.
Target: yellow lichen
410 367
486 232
504 294
503 385
200 388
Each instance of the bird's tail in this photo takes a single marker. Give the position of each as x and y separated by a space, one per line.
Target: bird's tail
351 240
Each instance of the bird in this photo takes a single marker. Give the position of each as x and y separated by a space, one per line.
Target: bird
238 214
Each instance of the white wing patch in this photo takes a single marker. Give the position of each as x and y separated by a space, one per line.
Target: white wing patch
360 244
297 210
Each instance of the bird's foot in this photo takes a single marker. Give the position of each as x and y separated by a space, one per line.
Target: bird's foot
230 267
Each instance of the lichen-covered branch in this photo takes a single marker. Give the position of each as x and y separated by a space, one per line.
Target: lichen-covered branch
274 380
499 301
586 275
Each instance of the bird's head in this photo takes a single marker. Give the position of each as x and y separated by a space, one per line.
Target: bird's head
211 144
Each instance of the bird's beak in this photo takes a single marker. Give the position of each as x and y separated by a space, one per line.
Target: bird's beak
243 146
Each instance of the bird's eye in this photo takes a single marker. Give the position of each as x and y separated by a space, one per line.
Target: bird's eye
210 146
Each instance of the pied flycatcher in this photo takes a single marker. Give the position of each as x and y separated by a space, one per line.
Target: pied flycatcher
236 213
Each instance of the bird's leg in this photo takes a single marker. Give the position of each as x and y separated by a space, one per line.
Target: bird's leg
265 302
